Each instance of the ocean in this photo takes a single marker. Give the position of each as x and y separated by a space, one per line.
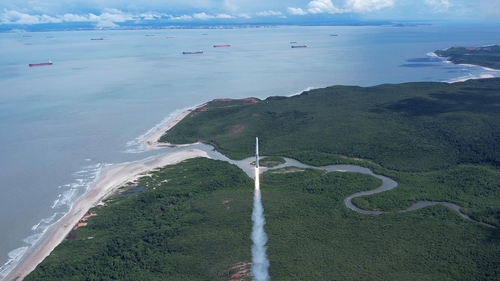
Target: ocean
62 124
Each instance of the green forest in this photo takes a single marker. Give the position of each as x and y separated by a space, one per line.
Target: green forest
487 56
420 126
191 221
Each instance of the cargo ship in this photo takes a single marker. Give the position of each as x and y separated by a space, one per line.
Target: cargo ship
221 45
192 53
299 46
40 64
97 38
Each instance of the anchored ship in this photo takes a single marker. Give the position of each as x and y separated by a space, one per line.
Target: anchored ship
192 53
221 45
40 64
299 46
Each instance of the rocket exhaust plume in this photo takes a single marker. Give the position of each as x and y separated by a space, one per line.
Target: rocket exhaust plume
260 263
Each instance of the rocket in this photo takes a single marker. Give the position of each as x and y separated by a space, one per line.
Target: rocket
256 152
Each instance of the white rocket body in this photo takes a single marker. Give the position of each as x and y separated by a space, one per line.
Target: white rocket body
256 152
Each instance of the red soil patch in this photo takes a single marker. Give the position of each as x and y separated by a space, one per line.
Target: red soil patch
223 100
249 101
236 129
240 272
83 221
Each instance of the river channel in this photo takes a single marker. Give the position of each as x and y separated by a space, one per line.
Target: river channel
387 183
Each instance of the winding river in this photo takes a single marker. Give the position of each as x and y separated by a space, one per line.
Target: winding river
387 183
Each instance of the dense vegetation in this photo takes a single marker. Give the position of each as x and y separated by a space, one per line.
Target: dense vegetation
405 127
192 222
488 56
440 141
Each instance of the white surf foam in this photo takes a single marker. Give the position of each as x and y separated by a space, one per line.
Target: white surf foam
136 146
14 258
306 90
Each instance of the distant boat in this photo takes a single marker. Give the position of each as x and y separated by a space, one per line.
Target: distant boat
49 37
40 64
299 46
170 37
150 35
293 42
192 53
221 45
205 34
97 38
333 35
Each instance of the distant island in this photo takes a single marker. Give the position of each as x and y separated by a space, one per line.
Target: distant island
487 56
191 221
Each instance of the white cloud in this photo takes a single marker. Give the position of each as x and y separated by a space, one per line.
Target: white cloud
438 5
9 17
106 24
269 13
202 16
296 11
323 6
224 16
115 17
365 6
490 8
183 17
73 18
150 16
243 15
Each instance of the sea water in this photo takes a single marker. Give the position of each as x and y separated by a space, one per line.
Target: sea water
61 125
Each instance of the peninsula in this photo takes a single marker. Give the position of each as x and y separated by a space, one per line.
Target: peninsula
191 221
486 56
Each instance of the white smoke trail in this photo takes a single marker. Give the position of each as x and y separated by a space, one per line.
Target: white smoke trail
260 263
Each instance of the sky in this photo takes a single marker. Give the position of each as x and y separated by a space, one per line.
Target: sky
112 13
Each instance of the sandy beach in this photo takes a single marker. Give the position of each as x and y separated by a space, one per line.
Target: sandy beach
110 179
151 140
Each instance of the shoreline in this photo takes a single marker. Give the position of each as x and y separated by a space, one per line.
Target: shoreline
108 182
150 141
463 79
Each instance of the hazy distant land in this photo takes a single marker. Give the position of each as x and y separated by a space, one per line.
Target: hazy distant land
487 56
191 221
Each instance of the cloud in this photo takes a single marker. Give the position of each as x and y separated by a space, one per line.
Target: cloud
182 17
106 24
323 6
204 16
296 11
365 6
245 16
269 13
224 16
16 17
438 5
73 18
151 16
104 19
490 8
